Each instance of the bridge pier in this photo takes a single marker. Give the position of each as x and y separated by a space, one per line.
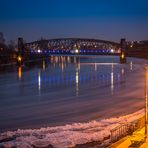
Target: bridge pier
123 51
20 55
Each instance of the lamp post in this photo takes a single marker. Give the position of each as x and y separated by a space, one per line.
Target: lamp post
123 51
146 99
19 60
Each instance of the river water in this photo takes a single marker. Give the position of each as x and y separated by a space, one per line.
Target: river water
67 89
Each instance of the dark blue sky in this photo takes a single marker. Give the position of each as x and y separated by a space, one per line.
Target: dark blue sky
102 19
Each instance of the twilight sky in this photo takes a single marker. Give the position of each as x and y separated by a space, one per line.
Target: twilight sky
100 19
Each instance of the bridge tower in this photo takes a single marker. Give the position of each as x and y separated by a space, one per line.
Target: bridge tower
20 55
123 51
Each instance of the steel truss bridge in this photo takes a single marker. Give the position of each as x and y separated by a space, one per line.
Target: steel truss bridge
73 45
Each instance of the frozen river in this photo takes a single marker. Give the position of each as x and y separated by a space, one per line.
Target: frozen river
66 90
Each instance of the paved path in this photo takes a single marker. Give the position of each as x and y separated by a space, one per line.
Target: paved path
136 140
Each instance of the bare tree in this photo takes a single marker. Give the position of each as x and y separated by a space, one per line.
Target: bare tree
2 39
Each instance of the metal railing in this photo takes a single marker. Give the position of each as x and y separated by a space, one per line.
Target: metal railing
126 129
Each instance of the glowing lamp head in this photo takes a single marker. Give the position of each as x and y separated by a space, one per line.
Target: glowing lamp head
76 51
122 55
19 58
112 51
39 51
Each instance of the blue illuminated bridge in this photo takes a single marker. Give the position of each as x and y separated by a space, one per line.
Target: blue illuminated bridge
72 46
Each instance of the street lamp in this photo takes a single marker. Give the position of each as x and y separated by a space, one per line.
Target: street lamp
146 99
19 60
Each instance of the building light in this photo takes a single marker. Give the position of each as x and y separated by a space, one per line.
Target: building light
131 45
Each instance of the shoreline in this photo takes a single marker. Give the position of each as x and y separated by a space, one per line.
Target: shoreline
77 135
77 55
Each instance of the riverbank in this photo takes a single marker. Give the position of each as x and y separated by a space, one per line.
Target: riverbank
76 135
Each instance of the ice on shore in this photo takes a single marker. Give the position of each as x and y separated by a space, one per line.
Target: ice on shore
68 135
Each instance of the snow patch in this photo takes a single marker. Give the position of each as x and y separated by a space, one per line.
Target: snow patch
68 135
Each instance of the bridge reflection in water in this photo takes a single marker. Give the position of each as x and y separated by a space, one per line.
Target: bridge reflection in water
65 71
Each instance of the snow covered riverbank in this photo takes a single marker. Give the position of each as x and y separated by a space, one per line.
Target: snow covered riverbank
68 135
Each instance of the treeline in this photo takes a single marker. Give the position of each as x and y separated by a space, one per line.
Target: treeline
7 53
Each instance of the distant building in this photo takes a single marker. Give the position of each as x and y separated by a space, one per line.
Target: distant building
20 44
144 42
2 39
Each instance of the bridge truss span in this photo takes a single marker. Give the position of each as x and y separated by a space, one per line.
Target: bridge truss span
73 45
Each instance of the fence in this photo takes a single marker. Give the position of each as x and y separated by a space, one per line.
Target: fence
126 129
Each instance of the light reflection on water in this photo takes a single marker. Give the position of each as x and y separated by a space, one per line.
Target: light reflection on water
44 66
19 72
122 70
39 81
112 79
61 71
68 89
131 65
77 83
95 67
